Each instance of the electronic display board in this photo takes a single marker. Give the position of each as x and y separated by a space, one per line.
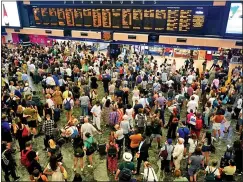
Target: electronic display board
37 16
160 19
127 18
78 17
137 19
69 17
87 16
116 18
53 16
106 18
148 19
61 19
172 19
234 24
96 13
198 19
185 20
45 16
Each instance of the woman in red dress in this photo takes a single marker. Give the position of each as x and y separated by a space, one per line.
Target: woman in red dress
112 155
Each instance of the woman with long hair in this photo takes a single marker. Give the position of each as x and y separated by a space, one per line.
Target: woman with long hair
88 148
135 96
207 141
56 170
106 111
112 155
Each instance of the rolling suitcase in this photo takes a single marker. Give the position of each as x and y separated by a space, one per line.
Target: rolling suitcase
57 114
101 149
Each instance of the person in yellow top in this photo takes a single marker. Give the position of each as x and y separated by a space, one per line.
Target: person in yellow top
66 92
19 74
31 116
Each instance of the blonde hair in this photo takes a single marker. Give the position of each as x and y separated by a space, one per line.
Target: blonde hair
52 144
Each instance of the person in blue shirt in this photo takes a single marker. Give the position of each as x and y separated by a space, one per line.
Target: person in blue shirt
56 79
6 130
183 132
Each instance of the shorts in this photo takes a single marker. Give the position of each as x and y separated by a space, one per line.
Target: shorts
206 148
192 172
32 124
240 122
80 155
216 126
155 136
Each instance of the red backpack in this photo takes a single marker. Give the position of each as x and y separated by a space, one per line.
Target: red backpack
199 124
23 158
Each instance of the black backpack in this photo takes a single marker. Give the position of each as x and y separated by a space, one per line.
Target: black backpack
125 174
112 151
210 175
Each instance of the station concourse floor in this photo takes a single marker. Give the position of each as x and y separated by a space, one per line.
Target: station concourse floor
99 172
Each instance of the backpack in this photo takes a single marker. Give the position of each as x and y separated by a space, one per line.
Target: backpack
192 120
5 161
24 160
78 151
199 124
112 151
139 79
140 120
67 105
210 176
164 153
25 132
125 174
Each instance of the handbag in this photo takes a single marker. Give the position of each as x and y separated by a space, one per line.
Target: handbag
146 180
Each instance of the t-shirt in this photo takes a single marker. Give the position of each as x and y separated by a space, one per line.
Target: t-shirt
128 165
229 170
181 179
84 100
210 169
239 104
196 161
183 132
135 140
192 105
87 127
193 144
119 134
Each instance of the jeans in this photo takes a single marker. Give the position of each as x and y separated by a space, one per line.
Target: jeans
84 110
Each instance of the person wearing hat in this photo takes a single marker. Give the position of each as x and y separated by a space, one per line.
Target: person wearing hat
165 162
127 165
125 126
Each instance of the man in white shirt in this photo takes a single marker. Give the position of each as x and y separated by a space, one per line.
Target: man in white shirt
31 68
50 81
96 112
87 128
164 77
68 71
169 83
196 97
143 101
192 104
190 78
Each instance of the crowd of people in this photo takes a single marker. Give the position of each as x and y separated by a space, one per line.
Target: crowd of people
139 93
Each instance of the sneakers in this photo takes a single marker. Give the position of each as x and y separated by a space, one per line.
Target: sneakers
17 178
82 169
74 169
90 166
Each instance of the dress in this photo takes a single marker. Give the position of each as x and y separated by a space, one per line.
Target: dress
57 97
112 161
105 114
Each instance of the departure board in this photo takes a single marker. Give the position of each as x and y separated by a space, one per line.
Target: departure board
185 20
116 18
53 16
148 19
78 17
45 16
87 16
137 19
69 17
126 18
198 19
160 19
172 20
96 13
106 18
37 16
61 17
